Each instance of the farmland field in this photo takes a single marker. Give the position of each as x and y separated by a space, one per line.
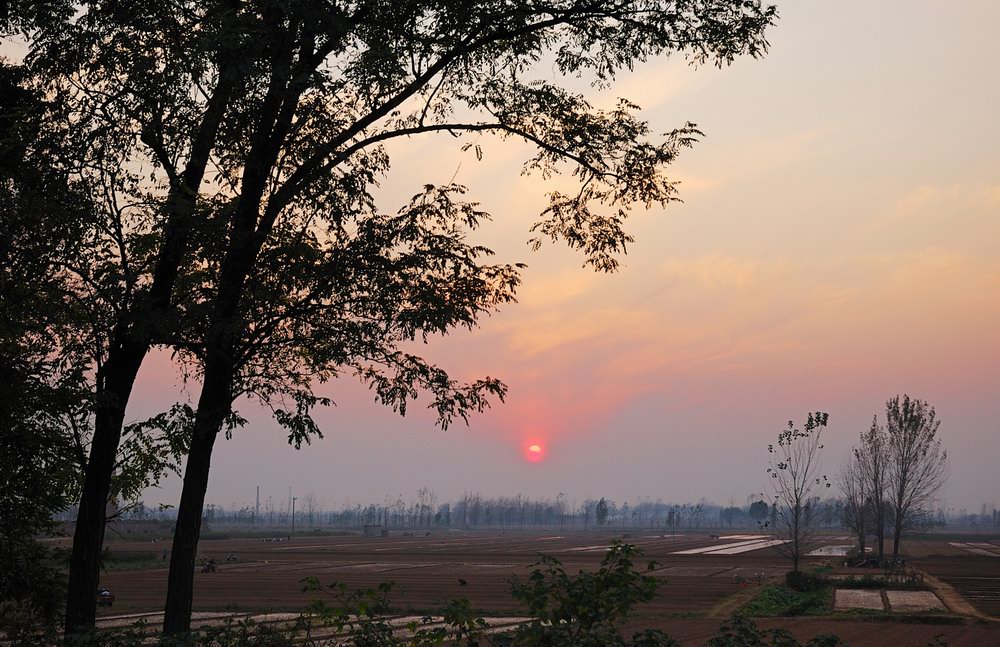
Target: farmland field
706 578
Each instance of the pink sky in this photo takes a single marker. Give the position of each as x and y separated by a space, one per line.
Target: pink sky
838 244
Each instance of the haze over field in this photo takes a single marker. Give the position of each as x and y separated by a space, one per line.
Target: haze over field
837 245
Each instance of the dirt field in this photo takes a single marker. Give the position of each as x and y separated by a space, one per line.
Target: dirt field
704 584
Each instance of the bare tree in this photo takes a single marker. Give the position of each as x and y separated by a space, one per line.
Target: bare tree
426 498
918 467
852 486
796 481
872 458
311 505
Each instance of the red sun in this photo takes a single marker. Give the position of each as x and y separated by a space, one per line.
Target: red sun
534 453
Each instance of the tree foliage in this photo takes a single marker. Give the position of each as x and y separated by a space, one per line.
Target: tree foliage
743 632
589 608
236 147
63 282
51 325
43 399
759 511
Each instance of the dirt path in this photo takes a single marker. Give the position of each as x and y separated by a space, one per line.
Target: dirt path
727 607
953 600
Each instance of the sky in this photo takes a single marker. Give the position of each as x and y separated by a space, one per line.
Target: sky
838 243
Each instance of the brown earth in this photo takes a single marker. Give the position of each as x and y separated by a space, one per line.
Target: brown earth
699 590
977 582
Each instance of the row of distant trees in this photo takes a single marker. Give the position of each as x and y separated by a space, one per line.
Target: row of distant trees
474 511
889 483
477 511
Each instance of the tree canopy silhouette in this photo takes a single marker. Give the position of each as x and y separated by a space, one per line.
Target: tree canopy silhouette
238 143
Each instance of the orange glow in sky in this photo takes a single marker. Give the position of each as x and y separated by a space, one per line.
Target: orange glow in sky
534 453
831 251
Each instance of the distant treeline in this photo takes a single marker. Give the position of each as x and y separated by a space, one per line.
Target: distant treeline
475 511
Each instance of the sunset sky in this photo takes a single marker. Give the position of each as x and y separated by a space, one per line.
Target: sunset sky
839 243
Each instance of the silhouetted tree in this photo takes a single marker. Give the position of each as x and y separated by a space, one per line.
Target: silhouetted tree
415 269
245 138
601 512
796 479
42 217
51 327
759 511
132 133
918 466
872 461
856 510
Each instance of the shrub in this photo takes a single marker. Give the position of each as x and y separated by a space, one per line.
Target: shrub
588 608
779 600
804 582
743 632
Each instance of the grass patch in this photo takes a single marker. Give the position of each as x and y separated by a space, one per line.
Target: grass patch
114 560
778 600
132 561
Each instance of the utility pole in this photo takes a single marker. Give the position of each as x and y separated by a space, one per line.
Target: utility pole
293 513
256 512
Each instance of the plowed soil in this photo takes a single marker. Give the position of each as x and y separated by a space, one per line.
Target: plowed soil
700 590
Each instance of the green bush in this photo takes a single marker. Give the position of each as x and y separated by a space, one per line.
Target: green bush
779 600
743 632
804 582
588 608
868 581
32 591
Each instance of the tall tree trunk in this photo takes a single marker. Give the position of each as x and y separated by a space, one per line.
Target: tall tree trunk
214 404
246 237
896 535
879 523
118 377
180 579
130 343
